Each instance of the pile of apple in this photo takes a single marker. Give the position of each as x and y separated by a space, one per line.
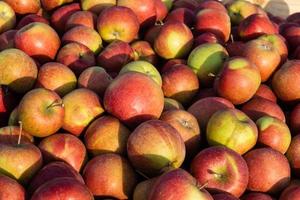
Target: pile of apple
148 100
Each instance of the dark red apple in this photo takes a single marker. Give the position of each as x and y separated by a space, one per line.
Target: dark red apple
292 192
257 196
235 48
295 120
183 15
224 196
189 4
206 37
7 39
293 155
30 19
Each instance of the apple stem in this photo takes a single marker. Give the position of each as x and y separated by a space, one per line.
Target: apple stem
211 75
142 174
20 132
200 187
55 103
231 38
159 23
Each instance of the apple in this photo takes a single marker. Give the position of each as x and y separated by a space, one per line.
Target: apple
143 189
142 51
291 192
187 126
172 62
8 17
161 10
273 133
7 39
287 76
76 56
174 40
224 196
84 35
118 23
152 33
142 67
264 55
293 156
291 33
110 175
266 92
30 19
183 15
269 170
24 6
182 182
38 40
11 189
13 117
81 107
180 83
257 196
206 37
51 4
8 101
56 77
144 94
212 4
115 56
168 3
83 18
172 104
11 134
206 60
97 6
96 79
106 135
235 48
189 4
205 92
246 78
63 188
294 119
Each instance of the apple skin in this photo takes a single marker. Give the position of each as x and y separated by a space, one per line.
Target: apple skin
83 35
102 130
152 33
224 196
118 23
291 192
294 121
291 32
174 40
110 175
212 4
273 133
142 51
8 100
287 75
51 4
30 19
155 145
207 59
182 15
24 6
189 4
97 6
161 10
264 55
56 77
206 37
142 189
81 107
38 40
266 92
8 18
83 18
246 78
115 56
269 170
235 48
60 16
203 110
41 112
96 79
172 104
169 64
187 126
76 56
10 134
218 23
257 196
19 71
13 118
131 87
11 189
205 92
180 83
293 155
64 188
56 169
7 39
182 182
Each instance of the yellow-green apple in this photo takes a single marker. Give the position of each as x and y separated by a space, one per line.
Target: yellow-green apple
11 134
222 169
38 40
134 98
292 192
224 196
269 170
206 60
179 82
96 79
41 112
30 19
161 10
293 155
189 4
64 147
7 39
218 23
246 78
97 6
183 15
257 196
174 40
63 188
273 133
154 146
11 189
142 189
294 119
60 16
142 51
81 107
8 17
84 35
51 171
56 77
172 62
152 33
118 23
115 56
203 109
106 135
143 67
144 10
264 55
110 175
233 129
207 37
83 18
51 4
17 70
182 182
187 126
266 92
212 4
24 6
76 56
285 82
172 104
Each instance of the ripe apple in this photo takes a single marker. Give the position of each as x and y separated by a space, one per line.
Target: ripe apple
145 97
51 4
291 32
142 51
269 170
8 100
235 48
81 107
291 192
7 39
106 135
11 189
183 15
24 6
293 155
224 196
172 62
97 6
110 175
152 33
11 134
257 196
30 19
7 18
172 104
83 18
161 10
206 37
294 121
212 4
266 92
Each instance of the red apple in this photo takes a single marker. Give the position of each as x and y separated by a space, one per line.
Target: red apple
11 189
24 6
224 196
235 48
266 92
83 18
142 51
293 155
30 19
97 6
295 119
292 192
51 4
143 189
183 15
257 196
8 101
7 39
172 62
8 17
161 10
189 4
206 37
291 33
152 33
212 4
172 104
